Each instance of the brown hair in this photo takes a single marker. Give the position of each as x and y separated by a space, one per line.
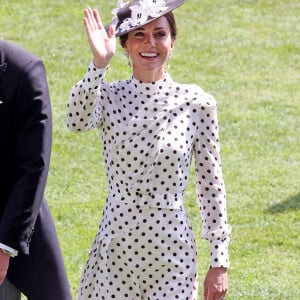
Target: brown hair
172 24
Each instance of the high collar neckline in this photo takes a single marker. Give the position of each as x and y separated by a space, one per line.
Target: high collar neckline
150 87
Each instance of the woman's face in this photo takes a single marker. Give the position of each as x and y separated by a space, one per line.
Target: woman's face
149 47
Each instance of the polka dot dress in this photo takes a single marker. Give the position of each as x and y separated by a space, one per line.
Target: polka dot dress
145 247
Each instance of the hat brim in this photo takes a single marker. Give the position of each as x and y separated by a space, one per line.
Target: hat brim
171 5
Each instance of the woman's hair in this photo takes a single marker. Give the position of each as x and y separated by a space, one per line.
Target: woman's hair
172 24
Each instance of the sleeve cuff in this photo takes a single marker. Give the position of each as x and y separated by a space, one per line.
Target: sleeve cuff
96 72
12 252
93 77
219 253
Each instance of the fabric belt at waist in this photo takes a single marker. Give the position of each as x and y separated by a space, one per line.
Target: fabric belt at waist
155 200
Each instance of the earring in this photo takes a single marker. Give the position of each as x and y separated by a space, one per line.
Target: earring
128 57
168 61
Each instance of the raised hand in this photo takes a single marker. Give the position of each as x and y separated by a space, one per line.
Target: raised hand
103 44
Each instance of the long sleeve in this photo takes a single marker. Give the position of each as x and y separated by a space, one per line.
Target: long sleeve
84 106
30 154
210 185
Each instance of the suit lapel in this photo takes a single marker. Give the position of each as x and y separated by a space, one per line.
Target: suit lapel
2 69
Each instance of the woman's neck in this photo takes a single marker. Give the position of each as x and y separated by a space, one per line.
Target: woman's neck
149 76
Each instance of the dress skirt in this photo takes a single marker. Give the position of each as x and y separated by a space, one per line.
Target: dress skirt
141 252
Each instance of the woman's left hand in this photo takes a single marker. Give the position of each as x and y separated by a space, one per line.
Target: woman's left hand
215 284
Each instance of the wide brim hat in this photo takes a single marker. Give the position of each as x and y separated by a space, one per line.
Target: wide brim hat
134 14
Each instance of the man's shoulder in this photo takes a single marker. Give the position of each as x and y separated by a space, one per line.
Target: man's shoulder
15 54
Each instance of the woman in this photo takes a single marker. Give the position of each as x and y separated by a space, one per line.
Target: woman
150 126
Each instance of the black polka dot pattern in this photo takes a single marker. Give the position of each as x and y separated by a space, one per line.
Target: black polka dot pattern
145 247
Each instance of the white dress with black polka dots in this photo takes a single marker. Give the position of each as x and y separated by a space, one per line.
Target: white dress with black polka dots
145 247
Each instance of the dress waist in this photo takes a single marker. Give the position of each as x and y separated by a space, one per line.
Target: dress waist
153 200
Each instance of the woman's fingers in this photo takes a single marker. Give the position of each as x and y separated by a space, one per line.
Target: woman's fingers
92 19
97 19
111 31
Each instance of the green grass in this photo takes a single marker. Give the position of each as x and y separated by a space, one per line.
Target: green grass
247 54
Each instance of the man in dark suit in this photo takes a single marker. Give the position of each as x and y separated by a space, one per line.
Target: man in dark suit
30 255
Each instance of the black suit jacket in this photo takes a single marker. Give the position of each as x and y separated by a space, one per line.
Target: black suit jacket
26 224
25 144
